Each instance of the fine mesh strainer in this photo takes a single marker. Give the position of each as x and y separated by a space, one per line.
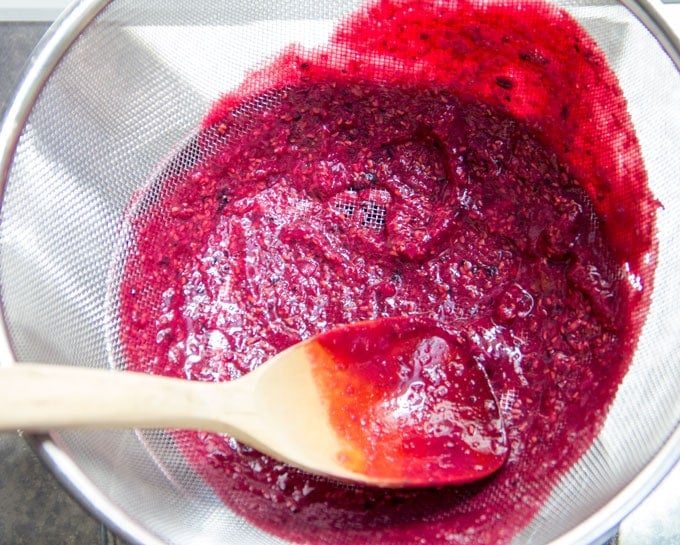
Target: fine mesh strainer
111 101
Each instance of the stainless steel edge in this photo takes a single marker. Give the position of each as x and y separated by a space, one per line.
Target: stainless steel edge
87 494
44 59
40 66
648 14
601 524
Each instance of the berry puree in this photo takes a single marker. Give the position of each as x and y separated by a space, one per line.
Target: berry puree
468 164
408 403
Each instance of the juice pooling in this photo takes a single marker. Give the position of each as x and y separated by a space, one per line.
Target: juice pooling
420 408
439 160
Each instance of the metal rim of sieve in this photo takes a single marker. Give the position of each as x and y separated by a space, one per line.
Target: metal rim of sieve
52 47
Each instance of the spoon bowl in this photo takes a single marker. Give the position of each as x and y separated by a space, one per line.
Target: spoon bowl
393 402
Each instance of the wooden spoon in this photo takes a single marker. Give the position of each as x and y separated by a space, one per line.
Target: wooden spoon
393 402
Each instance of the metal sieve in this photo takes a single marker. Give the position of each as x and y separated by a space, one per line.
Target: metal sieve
111 100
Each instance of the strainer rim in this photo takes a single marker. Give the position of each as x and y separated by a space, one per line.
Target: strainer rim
46 56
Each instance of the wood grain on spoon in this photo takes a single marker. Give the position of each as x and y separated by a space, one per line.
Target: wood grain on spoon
387 403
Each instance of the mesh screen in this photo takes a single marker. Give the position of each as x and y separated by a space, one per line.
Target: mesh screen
120 111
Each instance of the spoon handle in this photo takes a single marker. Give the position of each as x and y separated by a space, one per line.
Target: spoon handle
40 397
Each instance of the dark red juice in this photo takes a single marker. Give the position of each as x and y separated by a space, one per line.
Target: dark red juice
409 403
471 165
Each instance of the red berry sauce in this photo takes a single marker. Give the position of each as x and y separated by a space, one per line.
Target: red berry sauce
409 403
472 165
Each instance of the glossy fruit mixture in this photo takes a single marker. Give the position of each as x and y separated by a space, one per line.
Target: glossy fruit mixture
409 403
472 165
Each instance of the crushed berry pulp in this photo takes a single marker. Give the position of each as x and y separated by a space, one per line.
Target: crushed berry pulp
436 160
409 405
